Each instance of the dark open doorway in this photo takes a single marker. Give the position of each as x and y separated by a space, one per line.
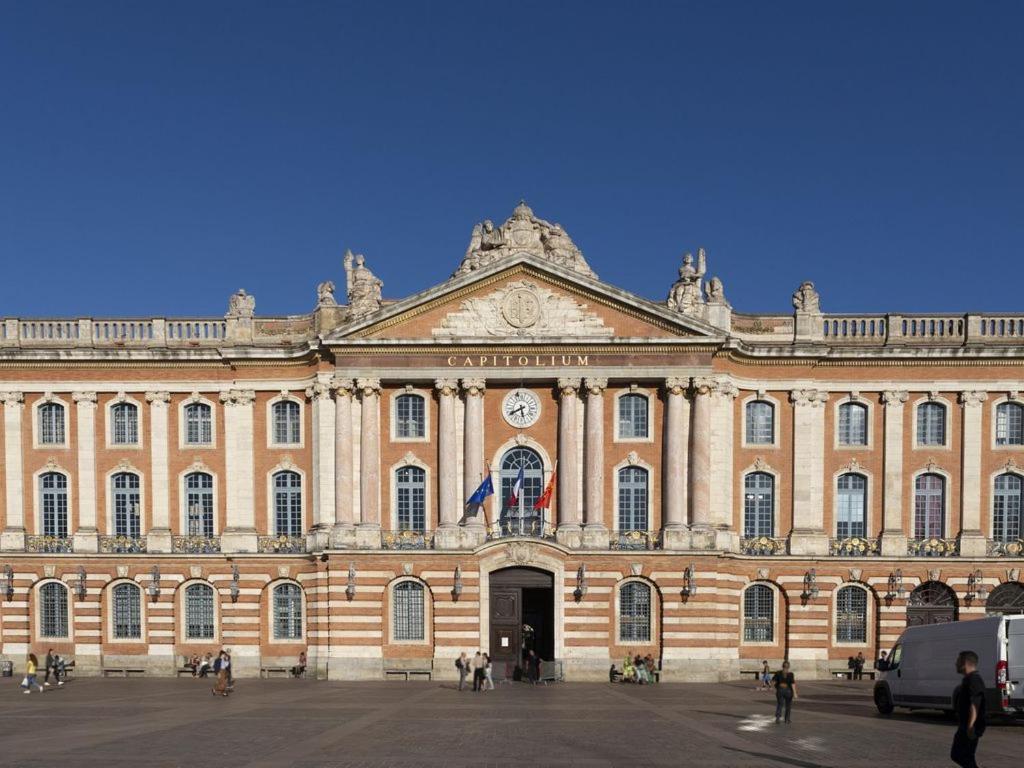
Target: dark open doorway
522 617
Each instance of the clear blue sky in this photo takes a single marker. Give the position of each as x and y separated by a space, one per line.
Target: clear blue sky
156 156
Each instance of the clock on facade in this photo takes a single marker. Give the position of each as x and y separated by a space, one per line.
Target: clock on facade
521 408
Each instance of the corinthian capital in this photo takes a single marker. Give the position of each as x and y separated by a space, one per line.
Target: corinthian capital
568 387
705 385
368 386
727 389
318 390
446 387
894 397
595 385
677 385
813 398
973 399
12 399
158 398
342 387
474 387
238 397
84 398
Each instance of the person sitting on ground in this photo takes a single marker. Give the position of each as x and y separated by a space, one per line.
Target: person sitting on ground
300 669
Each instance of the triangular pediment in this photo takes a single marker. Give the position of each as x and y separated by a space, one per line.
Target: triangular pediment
523 298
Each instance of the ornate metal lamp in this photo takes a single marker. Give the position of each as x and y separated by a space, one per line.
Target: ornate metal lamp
154 584
235 577
976 587
457 586
80 587
350 588
689 581
581 582
7 583
810 585
896 589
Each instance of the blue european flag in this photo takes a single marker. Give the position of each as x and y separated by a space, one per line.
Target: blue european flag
480 494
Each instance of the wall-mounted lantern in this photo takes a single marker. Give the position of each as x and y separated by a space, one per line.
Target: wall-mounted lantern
581 582
7 583
689 581
154 583
976 587
896 589
80 587
350 588
810 585
235 578
457 586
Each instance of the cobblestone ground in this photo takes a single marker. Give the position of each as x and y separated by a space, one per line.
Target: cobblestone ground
122 723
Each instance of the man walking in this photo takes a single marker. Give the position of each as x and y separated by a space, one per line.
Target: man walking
478 671
462 664
969 702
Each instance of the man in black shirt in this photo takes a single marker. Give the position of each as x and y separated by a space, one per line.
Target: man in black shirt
969 701
785 691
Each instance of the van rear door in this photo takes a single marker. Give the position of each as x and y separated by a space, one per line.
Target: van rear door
1015 658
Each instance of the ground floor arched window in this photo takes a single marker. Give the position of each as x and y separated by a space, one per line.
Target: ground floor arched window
1006 600
852 615
635 612
759 614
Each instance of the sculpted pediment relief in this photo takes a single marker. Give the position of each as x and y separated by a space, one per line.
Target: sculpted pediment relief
522 308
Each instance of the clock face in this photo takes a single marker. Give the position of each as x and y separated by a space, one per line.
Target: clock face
521 408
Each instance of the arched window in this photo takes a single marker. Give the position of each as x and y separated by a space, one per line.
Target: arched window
53 610
199 612
127 612
198 424
51 424
758 505
853 424
635 612
758 614
411 498
287 612
410 416
851 505
53 500
633 495
1006 600
852 615
929 506
287 425
931 424
125 418
408 611
199 503
633 417
1006 512
287 504
1010 424
760 423
124 488
521 512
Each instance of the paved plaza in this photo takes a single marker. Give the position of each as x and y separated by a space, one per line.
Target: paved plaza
122 723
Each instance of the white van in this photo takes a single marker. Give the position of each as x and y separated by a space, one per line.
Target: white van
920 672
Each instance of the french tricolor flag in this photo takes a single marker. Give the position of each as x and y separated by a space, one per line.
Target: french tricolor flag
517 489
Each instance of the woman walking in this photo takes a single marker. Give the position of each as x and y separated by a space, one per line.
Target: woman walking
785 691
488 680
30 674
222 667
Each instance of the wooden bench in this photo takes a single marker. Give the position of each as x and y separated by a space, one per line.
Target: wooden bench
845 673
408 669
123 672
408 674
269 672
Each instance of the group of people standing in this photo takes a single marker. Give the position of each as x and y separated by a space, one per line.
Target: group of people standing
856 666
55 665
479 667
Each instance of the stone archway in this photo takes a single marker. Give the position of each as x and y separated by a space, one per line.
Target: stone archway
1006 600
931 603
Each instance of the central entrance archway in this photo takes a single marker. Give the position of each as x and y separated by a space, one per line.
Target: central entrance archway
931 603
522 617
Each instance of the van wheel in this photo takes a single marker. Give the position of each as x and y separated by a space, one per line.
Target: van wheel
883 701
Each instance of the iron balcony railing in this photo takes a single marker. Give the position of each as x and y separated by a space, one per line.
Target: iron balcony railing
854 546
634 540
195 545
281 545
933 547
48 544
1005 548
122 545
406 539
528 527
763 546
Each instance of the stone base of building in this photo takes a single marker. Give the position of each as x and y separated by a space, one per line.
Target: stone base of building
699 670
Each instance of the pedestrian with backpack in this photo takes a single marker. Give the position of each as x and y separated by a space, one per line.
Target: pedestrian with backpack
462 664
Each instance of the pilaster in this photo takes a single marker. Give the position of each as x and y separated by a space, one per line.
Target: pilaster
568 531
722 420
675 476
473 453
894 538
972 543
158 538
240 532
447 535
808 536
85 538
344 533
595 532
324 482
368 529
700 453
12 538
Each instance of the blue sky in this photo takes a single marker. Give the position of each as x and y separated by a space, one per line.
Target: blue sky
156 156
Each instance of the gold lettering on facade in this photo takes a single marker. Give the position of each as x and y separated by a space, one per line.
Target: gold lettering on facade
520 361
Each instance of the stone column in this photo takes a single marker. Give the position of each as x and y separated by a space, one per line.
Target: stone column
972 543
323 485
675 491
808 536
595 532
158 538
894 538
568 530
447 536
368 530
13 536
722 419
240 532
85 536
344 528
473 453
700 454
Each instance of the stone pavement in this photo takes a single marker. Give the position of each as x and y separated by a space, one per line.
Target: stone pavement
122 723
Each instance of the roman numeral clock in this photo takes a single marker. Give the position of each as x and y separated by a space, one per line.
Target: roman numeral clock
521 408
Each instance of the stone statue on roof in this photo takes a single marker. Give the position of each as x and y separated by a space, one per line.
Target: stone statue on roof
687 293
241 304
523 232
364 288
325 294
806 298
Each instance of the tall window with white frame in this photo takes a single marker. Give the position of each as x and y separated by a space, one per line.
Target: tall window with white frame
635 612
411 498
127 612
53 500
929 506
853 424
851 615
410 417
126 495
758 614
198 424
851 505
1010 424
125 424
760 423
287 607
287 503
633 496
53 610
633 417
287 424
1006 508
51 424
931 424
199 623
408 611
199 503
758 505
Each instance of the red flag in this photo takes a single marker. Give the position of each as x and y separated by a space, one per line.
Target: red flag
545 498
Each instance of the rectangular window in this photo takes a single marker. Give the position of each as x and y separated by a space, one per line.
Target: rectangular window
760 427
633 417
51 424
410 417
853 424
126 424
931 424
